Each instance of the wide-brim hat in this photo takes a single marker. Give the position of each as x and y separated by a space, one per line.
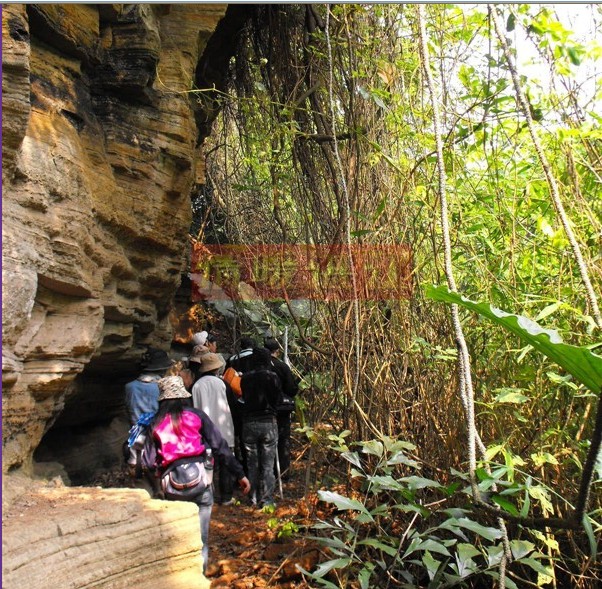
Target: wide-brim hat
155 360
210 362
172 387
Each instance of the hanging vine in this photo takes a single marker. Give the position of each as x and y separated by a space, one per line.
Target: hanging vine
326 139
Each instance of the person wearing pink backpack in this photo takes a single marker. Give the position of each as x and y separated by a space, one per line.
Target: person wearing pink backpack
181 435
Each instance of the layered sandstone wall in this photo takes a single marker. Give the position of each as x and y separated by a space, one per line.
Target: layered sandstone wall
103 538
99 157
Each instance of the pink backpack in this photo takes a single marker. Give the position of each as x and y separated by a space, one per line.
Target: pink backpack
172 445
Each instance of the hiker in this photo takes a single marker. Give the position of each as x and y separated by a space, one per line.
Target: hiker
187 377
196 346
180 431
209 394
261 393
199 338
194 360
285 408
241 362
211 343
141 396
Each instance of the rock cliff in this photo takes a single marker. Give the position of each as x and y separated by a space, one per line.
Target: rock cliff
101 149
102 140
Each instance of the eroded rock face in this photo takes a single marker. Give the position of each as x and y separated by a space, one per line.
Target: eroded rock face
100 152
117 538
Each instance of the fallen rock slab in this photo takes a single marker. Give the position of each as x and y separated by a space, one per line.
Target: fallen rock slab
76 537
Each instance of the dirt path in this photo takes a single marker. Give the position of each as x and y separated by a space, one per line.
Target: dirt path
250 548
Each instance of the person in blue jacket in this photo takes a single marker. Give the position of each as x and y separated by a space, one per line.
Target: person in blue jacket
141 396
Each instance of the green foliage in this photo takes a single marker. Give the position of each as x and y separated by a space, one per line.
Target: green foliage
581 362
272 164
285 528
416 531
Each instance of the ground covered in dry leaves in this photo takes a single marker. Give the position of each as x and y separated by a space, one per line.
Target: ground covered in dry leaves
250 548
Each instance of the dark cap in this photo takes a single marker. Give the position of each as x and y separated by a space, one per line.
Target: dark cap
271 344
155 360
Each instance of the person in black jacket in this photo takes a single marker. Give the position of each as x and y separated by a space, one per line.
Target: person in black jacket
242 362
261 393
285 408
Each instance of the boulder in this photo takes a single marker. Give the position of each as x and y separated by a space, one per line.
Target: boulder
102 538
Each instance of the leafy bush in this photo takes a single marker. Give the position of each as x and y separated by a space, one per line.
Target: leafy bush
399 527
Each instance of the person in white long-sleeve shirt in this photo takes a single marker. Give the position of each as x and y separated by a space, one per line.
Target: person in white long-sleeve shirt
209 395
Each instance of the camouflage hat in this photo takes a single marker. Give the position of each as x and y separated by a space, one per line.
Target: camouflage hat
172 387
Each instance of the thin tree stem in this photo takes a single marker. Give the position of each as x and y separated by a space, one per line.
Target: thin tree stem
547 169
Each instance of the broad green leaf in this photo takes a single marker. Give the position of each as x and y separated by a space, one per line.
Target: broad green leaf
390 550
575 55
537 566
464 563
541 458
415 482
396 445
493 451
505 504
524 510
455 512
401 458
483 475
463 522
521 548
591 538
566 379
333 542
510 22
581 362
341 501
547 539
466 551
429 544
325 567
373 447
365 574
353 458
364 518
543 496
510 395
548 311
432 564
494 554
452 580
386 482
412 508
